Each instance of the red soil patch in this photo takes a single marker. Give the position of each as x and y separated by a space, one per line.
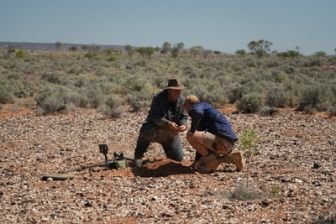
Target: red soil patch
228 109
12 110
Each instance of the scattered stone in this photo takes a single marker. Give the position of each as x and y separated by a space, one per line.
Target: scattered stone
265 202
316 165
31 147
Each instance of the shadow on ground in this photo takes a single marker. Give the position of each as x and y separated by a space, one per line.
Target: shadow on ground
163 168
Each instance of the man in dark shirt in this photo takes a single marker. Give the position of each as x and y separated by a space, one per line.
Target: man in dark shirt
164 121
211 135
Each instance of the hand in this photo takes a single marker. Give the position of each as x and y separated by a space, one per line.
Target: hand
173 126
182 128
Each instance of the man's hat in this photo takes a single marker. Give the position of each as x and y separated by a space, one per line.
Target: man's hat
174 84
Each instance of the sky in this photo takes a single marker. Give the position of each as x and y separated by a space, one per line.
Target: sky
223 25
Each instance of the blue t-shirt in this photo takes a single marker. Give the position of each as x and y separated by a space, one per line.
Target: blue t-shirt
206 118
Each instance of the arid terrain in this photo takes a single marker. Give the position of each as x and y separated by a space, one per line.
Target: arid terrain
293 173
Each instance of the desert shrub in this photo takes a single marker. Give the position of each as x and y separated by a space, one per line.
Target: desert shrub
289 54
279 76
240 52
136 83
249 103
315 62
51 103
207 90
6 95
112 58
92 55
51 77
320 54
310 98
332 110
141 99
75 69
267 111
159 82
13 86
94 95
53 98
137 102
235 92
21 54
112 107
276 97
289 70
146 52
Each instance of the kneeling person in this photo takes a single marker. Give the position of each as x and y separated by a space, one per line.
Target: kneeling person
211 135
165 120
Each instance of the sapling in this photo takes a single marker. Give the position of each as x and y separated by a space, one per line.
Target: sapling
247 142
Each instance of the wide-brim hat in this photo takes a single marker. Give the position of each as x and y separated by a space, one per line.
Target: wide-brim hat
174 84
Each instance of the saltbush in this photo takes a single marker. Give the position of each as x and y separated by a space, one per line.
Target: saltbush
276 97
113 107
249 103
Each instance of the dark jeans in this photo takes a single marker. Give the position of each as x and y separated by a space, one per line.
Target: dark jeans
171 144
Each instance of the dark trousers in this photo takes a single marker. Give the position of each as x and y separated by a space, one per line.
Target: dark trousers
171 144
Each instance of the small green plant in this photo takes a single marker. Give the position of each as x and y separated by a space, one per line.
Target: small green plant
247 142
275 189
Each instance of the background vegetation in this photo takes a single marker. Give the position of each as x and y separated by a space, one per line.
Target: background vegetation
114 80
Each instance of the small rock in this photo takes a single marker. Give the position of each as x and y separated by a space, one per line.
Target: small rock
316 183
88 204
316 165
226 206
50 179
289 193
265 202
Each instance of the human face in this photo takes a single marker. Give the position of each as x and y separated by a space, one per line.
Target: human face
173 94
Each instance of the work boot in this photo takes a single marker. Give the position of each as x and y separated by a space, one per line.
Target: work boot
208 163
234 158
238 161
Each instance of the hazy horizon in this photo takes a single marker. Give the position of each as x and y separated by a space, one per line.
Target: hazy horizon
225 25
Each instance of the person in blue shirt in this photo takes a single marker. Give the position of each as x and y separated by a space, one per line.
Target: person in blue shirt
211 135
164 121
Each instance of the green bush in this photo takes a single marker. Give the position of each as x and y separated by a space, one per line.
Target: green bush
276 97
249 103
92 55
53 98
5 95
113 107
137 102
51 77
94 95
13 86
51 103
21 54
310 98
235 94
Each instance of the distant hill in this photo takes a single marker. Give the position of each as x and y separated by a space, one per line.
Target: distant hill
55 46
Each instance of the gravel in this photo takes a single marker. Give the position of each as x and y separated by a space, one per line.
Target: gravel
292 176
